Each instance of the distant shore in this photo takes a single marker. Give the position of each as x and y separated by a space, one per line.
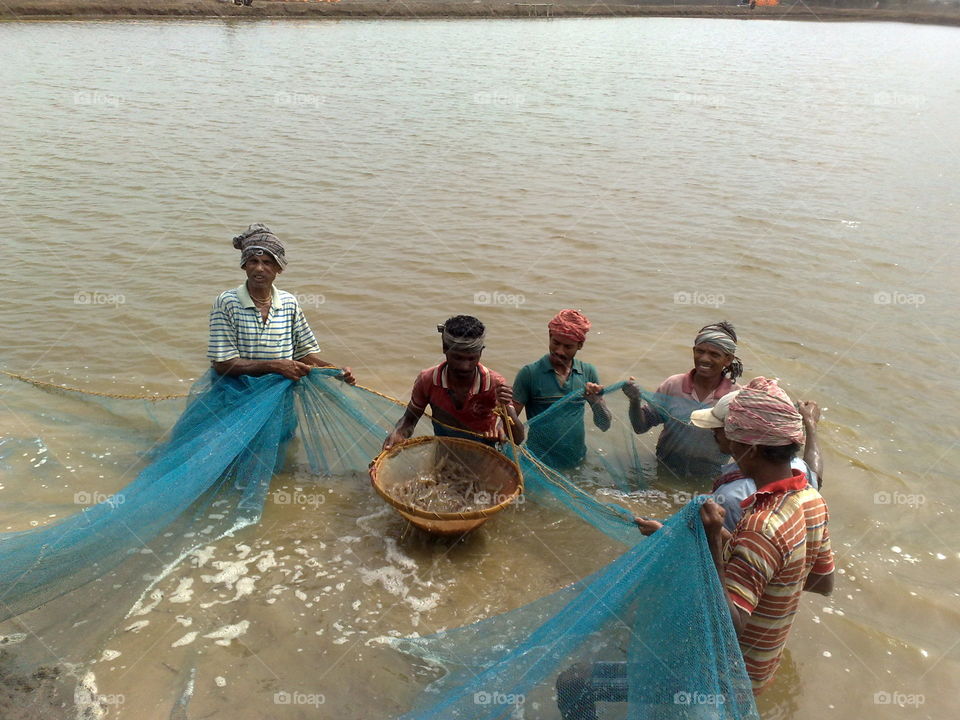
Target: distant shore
14 10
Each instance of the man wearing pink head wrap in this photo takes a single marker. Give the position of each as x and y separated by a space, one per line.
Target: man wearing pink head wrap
561 443
571 325
763 414
781 546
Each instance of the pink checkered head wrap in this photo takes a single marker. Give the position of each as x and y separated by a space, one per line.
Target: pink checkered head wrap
570 324
763 414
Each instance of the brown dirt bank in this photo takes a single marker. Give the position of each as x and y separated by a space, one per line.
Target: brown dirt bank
921 12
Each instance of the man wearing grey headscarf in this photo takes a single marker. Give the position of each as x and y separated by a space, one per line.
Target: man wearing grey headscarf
257 329
681 449
461 393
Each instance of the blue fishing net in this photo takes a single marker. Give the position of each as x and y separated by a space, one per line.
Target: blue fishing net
223 452
649 632
644 632
648 637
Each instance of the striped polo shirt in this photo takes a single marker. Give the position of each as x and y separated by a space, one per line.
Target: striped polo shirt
780 540
237 329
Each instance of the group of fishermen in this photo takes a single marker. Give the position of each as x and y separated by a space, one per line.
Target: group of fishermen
766 523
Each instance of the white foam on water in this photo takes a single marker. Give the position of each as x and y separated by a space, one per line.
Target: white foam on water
192 552
220 681
243 587
365 524
266 561
183 593
203 555
140 609
230 572
86 699
397 556
12 638
109 655
185 640
137 626
186 621
228 633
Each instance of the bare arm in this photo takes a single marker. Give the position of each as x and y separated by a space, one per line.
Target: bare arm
810 412
712 516
601 413
404 427
505 399
291 369
820 584
316 361
642 416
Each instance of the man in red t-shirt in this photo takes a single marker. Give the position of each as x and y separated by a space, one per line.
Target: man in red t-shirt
462 394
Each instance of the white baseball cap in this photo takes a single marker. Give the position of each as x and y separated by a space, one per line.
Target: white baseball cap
715 416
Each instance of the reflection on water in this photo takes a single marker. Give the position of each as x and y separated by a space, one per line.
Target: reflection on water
659 174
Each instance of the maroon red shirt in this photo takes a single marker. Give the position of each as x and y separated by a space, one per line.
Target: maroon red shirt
477 413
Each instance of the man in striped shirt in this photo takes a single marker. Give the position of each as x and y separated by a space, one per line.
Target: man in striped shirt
781 546
257 329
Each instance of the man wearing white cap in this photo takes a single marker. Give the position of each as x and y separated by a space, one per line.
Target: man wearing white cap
731 487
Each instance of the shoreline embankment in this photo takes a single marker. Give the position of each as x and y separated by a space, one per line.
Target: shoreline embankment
840 11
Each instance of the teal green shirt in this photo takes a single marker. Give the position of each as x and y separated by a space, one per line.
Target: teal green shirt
558 439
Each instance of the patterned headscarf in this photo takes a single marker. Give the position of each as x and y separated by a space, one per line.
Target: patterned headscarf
570 324
763 414
724 337
257 240
468 345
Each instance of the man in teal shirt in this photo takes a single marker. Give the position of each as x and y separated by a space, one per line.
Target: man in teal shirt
558 438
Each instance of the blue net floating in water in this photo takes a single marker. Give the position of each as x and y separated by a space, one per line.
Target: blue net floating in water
71 580
660 630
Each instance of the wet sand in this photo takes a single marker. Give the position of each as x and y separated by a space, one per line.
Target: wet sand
103 9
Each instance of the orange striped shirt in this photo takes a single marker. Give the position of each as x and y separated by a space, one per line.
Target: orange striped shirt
780 540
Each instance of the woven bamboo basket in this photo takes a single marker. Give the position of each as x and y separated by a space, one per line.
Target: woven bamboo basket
500 478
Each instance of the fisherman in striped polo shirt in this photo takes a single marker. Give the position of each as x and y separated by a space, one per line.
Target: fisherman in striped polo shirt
257 329
781 546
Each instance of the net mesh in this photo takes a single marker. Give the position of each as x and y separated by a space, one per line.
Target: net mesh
641 636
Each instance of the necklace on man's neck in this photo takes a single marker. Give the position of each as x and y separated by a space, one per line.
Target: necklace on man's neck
268 298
